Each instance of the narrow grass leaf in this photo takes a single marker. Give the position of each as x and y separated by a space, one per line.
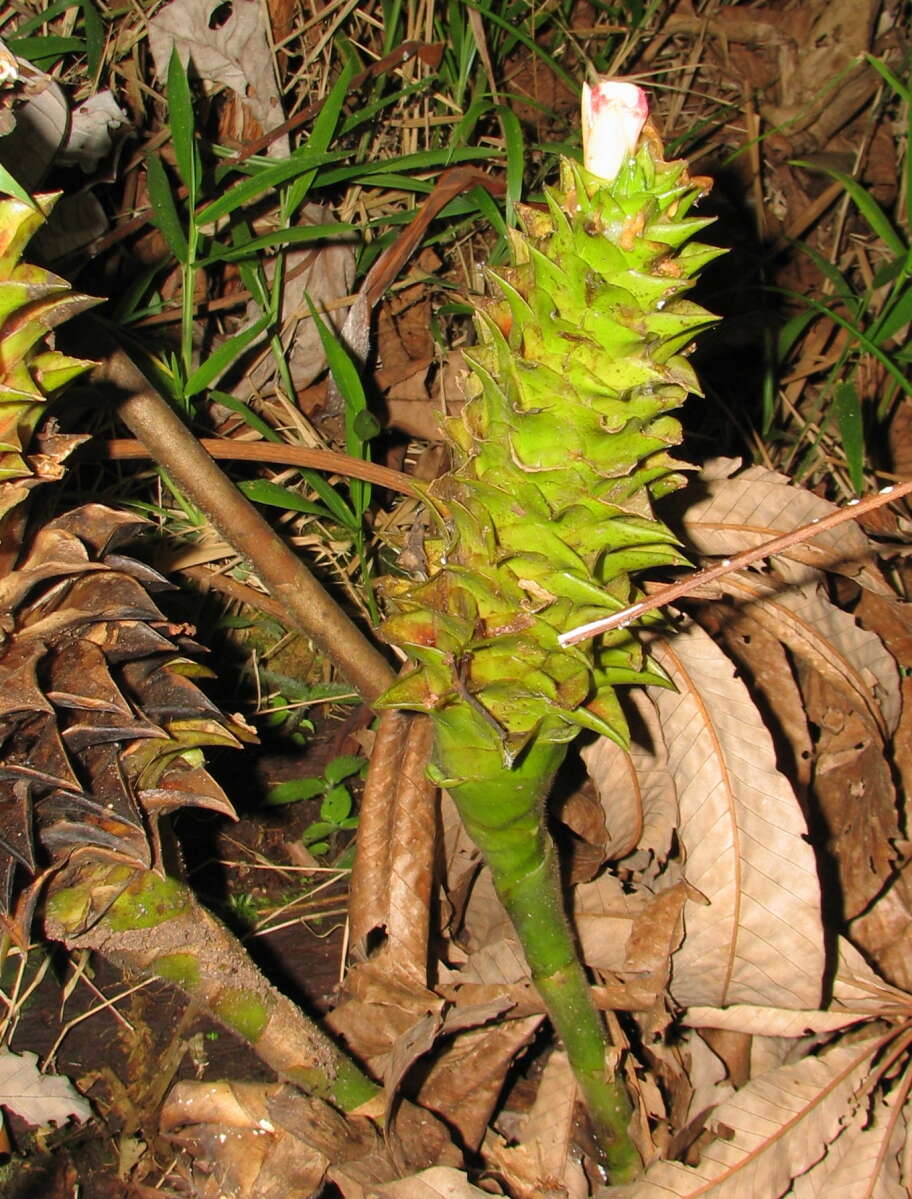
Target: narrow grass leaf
321 135
282 237
530 43
863 340
896 313
833 274
222 358
265 178
489 209
165 216
246 413
887 75
515 148
423 160
94 35
24 28
847 407
792 332
345 374
864 202
466 125
180 118
348 381
368 114
261 491
43 52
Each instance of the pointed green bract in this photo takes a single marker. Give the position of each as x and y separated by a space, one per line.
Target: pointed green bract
559 451
33 302
539 527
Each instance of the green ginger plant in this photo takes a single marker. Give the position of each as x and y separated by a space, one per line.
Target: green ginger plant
542 522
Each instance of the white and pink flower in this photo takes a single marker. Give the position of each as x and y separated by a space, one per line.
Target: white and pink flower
613 117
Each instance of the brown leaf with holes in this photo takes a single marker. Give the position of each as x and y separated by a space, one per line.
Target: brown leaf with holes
854 791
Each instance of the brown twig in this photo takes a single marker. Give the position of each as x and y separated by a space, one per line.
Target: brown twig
690 583
267 451
310 609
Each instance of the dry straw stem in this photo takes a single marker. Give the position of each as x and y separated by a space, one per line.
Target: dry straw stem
286 455
691 582
310 609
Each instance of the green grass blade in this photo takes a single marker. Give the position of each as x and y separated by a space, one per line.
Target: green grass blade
349 383
887 75
321 135
94 35
865 203
180 118
43 52
863 340
246 413
265 178
529 42
516 159
219 361
165 216
847 407
261 491
24 28
281 237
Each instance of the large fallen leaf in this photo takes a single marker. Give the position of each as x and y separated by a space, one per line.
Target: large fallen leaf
733 514
38 1098
440 1182
770 1132
759 938
228 45
828 639
862 1163
543 1162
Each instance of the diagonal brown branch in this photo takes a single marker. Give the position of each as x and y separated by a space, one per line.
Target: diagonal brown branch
310 609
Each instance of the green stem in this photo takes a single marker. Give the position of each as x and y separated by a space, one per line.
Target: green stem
503 809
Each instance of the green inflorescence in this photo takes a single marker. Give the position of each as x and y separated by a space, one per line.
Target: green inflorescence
559 451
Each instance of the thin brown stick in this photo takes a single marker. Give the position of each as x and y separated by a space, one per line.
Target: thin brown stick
776 545
310 609
268 451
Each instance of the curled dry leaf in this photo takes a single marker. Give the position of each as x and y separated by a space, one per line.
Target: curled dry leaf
759 939
38 1098
251 1139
